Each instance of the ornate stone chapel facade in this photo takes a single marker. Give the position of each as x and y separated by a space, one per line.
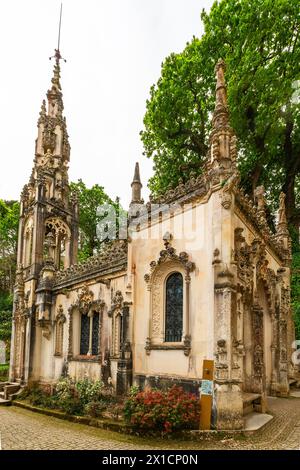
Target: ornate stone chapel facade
150 308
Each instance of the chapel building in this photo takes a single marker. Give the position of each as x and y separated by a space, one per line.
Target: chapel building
199 276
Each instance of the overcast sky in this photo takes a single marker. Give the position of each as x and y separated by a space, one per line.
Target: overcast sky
114 50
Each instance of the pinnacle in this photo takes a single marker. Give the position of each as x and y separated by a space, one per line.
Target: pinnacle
136 177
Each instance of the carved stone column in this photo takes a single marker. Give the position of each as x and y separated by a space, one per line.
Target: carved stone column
274 352
70 334
187 333
228 391
124 365
258 380
283 362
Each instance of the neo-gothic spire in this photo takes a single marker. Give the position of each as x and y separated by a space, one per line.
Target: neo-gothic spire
136 186
221 158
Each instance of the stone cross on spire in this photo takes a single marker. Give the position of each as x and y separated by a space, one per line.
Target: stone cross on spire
57 56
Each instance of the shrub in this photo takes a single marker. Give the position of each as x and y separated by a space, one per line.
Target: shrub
95 409
74 398
89 390
163 411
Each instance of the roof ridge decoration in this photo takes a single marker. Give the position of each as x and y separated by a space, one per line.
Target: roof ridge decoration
113 254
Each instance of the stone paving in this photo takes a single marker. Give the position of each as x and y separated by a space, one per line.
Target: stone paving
22 429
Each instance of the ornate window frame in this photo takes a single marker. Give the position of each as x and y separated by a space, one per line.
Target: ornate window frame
165 313
168 263
62 235
86 305
116 314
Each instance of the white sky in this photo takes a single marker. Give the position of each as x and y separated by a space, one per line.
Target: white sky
114 50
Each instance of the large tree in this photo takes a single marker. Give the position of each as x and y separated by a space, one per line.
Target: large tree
260 42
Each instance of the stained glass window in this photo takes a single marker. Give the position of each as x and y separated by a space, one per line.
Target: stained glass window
85 333
174 308
95 334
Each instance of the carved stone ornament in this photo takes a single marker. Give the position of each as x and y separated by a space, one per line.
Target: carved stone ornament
167 255
187 344
60 316
116 303
226 199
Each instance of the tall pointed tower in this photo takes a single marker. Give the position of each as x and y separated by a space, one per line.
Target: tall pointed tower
221 158
48 228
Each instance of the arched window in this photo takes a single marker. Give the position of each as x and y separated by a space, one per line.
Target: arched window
59 333
89 336
174 308
84 335
95 334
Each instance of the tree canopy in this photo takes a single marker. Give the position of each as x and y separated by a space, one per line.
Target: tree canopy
9 221
90 200
260 43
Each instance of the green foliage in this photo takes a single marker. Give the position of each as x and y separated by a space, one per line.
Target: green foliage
162 411
295 283
4 370
90 199
262 56
95 409
77 397
88 390
9 221
6 305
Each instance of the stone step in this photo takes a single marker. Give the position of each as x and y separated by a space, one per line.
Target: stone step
5 402
251 402
9 389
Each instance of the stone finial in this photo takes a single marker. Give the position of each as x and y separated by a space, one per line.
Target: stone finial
43 110
222 153
259 195
221 94
221 114
282 226
136 186
281 213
